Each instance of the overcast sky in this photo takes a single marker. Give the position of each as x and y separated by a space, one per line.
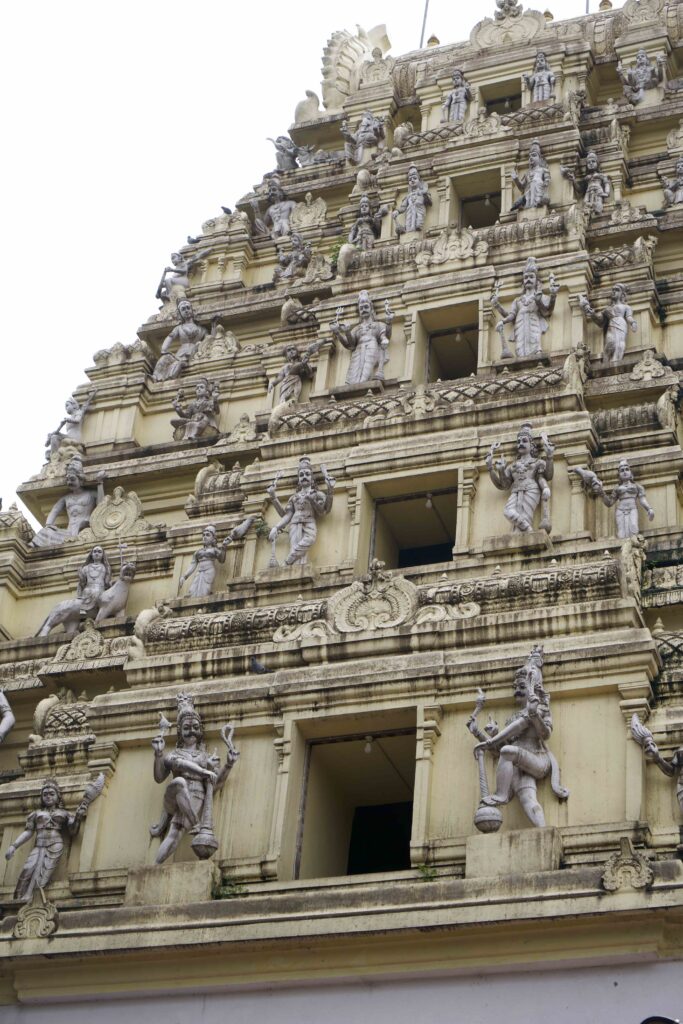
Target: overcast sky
126 124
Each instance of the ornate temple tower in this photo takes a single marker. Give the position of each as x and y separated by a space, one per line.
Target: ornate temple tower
350 645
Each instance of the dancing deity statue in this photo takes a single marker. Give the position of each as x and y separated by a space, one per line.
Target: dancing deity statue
367 341
94 578
454 107
541 82
535 184
528 314
187 335
78 505
415 204
50 826
521 749
625 497
197 775
527 478
614 320
673 187
593 187
299 515
642 76
368 225
175 280
204 563
368 135
275 221
295 371
198 416
292 264
71 426
7 719
671 766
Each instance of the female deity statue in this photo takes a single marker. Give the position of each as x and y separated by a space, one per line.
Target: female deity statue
368 135
199 416
368 225
78 505
528 480
50 825
94 577
594 187
615 320
541 83
625 497
300 513
535 184
673 187
188 800
204 564
367 341
642 76
72 423
295 371
415 204
275 221
186 335
454 107
175 279
529 314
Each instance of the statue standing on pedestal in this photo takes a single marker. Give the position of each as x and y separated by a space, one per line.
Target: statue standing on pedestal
367 341
535 184
541 82
204 563
614 320
200 415
78 505
186 335
454 107
642 76
299 515
368 135
625 497
527 478
672 766
673 187
523 757
295 370
197 775
415 204
594 187
368 225
528 314
71 425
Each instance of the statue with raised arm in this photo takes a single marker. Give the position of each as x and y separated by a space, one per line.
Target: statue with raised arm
299 515
69 430
286 153
454 107
199 416
541 82
275 221
197 775
521 750
535 184
204 563
614 320
7 719
367 341
527 478
414 205
294 372
626 497
50 826
671 766
368 225
175 280
529 314
94 578
368 135
78 505
593 187
673 187
292 264
644 75
185 338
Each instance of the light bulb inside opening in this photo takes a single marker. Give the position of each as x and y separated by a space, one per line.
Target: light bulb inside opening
367 749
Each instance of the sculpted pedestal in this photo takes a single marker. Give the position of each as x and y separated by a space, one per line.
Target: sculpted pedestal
186 882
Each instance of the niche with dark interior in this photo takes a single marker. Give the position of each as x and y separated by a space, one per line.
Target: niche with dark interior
502 97
453 342
415 529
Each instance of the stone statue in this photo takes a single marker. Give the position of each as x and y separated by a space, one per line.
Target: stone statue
204 562
377 70
295 371
292 264
199 416
507 9
520 746
94 578
300 513
368 225
415 204
112 602
275 221
541 82
286 153
673 187
175 279
667 408
368 135
528 480
368 341
535 184
188 799
50 825
642 76
187 335
625 497
293 312
529 314
7 719
672 766
454 107
71 426
615 320
594 187
78 505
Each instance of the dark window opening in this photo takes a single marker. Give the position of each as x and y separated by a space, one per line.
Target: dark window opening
430 554
415 529
481 211
504 104
380 838
453 353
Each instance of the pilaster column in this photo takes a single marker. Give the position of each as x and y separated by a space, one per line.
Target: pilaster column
428 732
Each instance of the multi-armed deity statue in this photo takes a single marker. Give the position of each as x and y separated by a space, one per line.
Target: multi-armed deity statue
197 775
50 825
520 747
626 497
368 135
198 416
535 184
541 82
299 515
186 335
275 221
367 227
673 187
78 505
614 320
292 264
70 430
672 766
593 187
295 371
368 341
644 75
454 107
204 562
527 478
414 205
528 314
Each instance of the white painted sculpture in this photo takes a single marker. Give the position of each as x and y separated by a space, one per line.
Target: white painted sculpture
299 516
672 766
644 75
593 187
541 82
186 335
70 429
626 497
614 320
454 107
7 719
204 563
529 314
199 416
94 578
368 341
78 505
535 184
527 478
414 205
